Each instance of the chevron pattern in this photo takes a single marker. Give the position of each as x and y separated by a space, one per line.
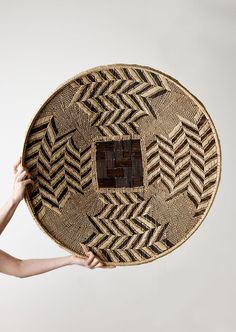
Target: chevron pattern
124 231
187 160
126 162
115 99
153 162
58 166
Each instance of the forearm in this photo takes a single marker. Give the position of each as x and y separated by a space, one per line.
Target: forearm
6 212
30 267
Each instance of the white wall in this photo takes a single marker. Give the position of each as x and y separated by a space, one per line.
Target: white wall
43 43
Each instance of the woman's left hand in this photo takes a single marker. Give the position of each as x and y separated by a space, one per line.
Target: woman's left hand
20 181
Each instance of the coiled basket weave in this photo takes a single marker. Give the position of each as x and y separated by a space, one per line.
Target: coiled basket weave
126 163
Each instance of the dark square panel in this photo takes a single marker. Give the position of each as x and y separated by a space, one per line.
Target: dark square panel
119 164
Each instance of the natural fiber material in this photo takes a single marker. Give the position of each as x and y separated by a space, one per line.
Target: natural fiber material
126 161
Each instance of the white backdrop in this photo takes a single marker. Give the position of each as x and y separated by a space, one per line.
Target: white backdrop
44 43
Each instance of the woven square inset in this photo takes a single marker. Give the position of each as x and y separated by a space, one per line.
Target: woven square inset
119 164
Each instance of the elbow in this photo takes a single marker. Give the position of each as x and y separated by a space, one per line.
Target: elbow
21 276
20 273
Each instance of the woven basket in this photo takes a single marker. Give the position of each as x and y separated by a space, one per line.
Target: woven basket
126 163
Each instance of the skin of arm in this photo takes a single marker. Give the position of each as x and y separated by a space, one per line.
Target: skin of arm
16 267
6 213
23 268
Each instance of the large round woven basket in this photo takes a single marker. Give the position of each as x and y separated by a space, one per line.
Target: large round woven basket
126 163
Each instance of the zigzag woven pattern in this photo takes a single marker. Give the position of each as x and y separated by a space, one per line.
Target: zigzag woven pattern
126 163
57 165
125 230
115 99
185 161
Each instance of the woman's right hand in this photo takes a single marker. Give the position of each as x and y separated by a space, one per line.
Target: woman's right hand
90 262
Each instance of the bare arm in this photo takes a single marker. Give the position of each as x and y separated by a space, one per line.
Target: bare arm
6 212
25 268
29 267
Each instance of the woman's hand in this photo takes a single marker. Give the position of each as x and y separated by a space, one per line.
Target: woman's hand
21 179
91 262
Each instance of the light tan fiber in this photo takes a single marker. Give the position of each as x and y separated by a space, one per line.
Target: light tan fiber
126 161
